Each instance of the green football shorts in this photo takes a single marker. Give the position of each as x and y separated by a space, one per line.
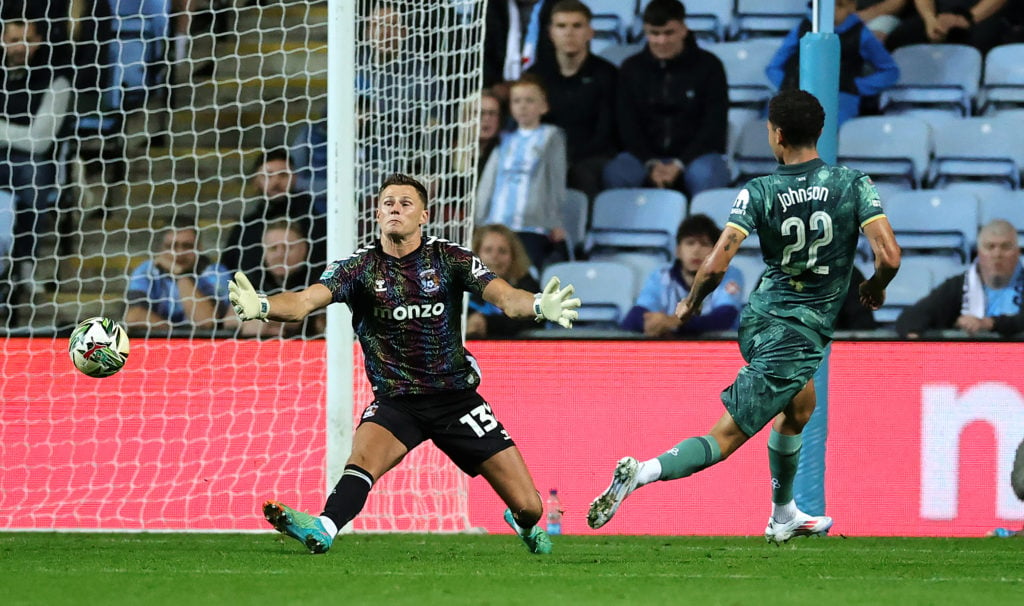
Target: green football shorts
781 358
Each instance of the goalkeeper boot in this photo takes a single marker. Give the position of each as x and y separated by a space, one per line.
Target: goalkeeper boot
299 525
623 483
537 541
802 525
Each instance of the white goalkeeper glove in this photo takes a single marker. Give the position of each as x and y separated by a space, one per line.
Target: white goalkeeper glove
555 305
248 304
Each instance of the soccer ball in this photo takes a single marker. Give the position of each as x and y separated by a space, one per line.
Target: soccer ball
98 347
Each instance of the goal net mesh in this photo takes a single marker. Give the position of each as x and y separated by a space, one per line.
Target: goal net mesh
139 135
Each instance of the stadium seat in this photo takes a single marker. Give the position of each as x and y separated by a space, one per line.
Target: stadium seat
751 267
754 156
609 12
600 285
709 20
642 263
6 228
641 219
934 221
1008 205
1002 86
574 220
943 77
745 62
892 149
715 203
616 54
758 18
914 281
985 148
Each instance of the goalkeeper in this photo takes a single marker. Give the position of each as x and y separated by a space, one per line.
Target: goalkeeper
405 293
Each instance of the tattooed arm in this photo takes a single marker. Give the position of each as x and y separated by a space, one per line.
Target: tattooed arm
711 271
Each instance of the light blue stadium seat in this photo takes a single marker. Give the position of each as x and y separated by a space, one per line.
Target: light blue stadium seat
574 220
892 149
910 285
708 19
642 263
715 203
751 267
1002 86
744 62
616 54
756 18
639 219
984 148
941 77
607 12
934 221
1008 205
599 285
754 156
6 229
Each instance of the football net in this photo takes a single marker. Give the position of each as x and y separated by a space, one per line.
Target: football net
137 128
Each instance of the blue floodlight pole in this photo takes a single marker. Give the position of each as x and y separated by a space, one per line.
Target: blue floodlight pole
819 75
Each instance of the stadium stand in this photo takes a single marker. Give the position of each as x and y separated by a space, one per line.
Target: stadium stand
745 62
986 149
600 284
715 203
574 219
617 53
709 20
1002 204
641 219
913 282
934 221
753 157
1002 85
934 78
765 18
892 149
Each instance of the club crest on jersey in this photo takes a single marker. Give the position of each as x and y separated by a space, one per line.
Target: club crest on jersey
428 281
370 411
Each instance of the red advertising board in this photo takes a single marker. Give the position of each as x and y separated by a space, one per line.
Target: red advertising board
921 435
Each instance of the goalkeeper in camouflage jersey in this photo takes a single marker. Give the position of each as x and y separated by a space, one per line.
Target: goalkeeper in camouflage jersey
808 216
406 295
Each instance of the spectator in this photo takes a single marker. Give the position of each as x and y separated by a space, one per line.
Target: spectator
274 181
492 117
654 311
882 16
285 267
978 23
178 288
515 36
523 185
581 95
986 298
34 98
672 110
865 67
502 252
308 154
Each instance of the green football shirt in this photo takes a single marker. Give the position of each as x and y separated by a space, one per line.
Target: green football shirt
808 217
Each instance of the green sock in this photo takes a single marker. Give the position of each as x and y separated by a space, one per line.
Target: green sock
688 457
783 458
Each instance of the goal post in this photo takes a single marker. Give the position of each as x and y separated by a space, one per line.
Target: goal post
204 423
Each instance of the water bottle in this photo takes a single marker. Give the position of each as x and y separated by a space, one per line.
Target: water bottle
554 518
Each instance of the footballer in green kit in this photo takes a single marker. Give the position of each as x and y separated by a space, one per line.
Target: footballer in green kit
808 216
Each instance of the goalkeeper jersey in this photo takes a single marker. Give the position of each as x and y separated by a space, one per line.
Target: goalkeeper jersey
407 314
808 217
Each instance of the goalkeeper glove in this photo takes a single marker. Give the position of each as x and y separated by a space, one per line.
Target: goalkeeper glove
248 304
555 305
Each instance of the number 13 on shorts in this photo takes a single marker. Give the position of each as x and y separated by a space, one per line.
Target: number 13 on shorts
481 420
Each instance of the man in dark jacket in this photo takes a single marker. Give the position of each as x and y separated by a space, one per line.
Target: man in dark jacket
986 298
581 95
274 180
672 109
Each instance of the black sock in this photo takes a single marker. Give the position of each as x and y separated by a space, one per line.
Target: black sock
349 495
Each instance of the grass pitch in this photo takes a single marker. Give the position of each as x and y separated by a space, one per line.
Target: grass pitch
423 570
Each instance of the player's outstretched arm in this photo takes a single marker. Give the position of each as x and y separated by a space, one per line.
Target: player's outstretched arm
887 262
282 307
554 303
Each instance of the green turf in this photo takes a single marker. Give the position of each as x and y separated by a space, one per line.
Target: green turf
423 570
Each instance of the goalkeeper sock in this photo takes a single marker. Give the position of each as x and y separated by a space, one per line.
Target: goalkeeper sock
688 457
783 458
349 495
